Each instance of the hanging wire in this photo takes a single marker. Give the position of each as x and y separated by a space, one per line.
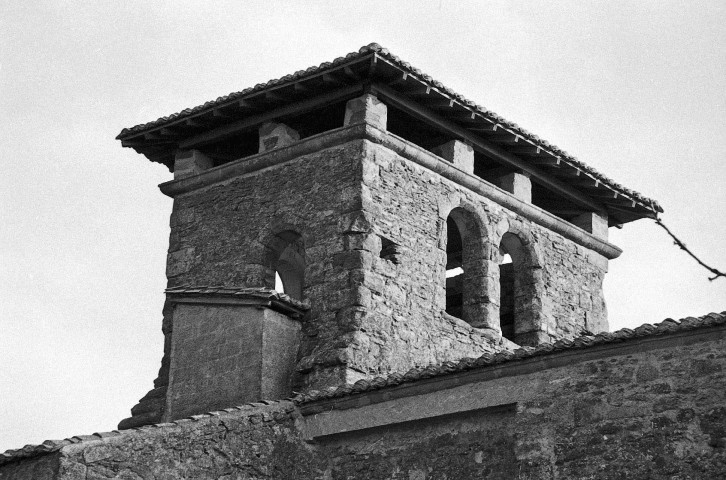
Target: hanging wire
682 246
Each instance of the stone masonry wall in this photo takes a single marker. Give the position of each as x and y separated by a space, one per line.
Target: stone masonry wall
371 226
475 445
648 407
252 442
221 235
652 408
659 414
408 205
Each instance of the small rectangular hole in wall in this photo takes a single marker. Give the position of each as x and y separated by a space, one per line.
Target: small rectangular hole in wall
390 251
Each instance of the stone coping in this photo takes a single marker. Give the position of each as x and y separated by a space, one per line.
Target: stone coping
668 327
238 295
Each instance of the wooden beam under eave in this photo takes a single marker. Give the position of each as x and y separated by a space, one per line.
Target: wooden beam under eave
218 113
153 136
587 181
621 211
546 160
233 128
512 140
142 144
350 73
421 90
274 97
526 149
486 147
401 79
330 79
300 88
490 128
168 132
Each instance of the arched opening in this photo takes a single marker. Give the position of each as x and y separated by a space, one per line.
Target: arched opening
466 266
286 262
511 260
454 270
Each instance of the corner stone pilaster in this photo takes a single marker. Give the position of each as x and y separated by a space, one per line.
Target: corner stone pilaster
594 223
188 163
366 109
517 184
276 135
458 153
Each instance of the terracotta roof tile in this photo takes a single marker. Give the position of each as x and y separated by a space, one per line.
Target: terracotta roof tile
667 327
50 446
377 49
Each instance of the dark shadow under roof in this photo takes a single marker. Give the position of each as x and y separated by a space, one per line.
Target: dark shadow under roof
374 67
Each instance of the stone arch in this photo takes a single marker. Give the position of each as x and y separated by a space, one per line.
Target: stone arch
521 316
464 244
285 259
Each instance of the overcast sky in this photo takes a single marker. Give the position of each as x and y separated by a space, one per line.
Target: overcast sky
635 89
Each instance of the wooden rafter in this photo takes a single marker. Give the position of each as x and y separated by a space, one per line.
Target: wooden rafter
254 120
486 147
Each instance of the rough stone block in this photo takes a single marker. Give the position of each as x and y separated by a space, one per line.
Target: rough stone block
366 109
458 153
276 135
517 184
190 162
595 223
179 262
229 354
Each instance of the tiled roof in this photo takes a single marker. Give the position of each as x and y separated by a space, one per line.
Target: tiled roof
300 74
375 49
50 446
666 327
260 293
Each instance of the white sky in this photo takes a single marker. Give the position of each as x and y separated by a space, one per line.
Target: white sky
634 89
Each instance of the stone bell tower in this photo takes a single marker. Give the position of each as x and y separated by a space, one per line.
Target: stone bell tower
406 225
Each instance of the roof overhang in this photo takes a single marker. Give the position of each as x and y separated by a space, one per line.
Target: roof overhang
374 69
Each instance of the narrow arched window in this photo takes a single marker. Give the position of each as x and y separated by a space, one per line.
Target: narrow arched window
511 257
466 277
454 270
286 262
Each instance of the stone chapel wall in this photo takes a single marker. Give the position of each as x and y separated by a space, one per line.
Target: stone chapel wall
644 405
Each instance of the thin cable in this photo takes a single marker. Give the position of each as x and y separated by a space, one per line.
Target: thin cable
682 246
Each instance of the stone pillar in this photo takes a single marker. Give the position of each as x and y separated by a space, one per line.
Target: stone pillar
458 153
595 223
276 135
517 184
366 109
230 347
190 162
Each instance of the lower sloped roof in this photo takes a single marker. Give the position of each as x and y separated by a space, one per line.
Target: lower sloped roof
664 328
